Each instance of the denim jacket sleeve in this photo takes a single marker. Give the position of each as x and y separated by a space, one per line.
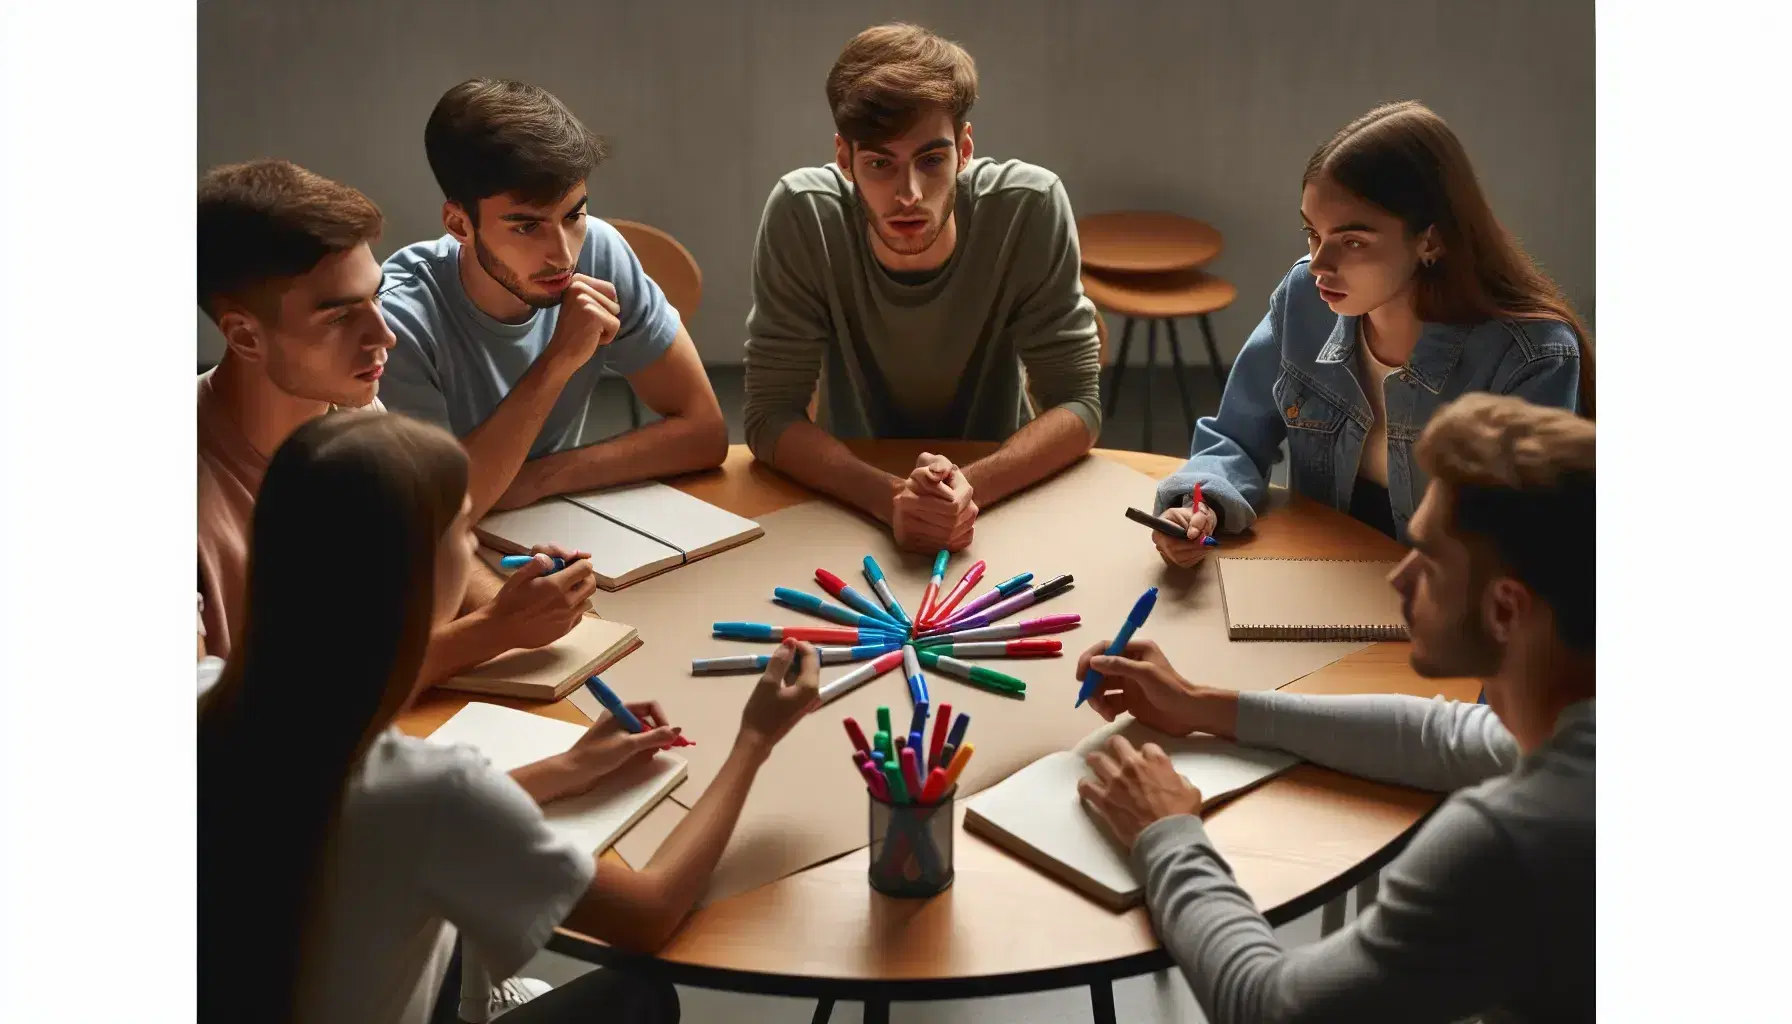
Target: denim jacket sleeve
1232 452
1544 368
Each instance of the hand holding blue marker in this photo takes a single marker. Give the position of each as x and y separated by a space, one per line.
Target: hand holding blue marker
1136 618
626 718
514 562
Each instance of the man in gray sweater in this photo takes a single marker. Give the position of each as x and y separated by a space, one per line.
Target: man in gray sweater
913 283
1489 911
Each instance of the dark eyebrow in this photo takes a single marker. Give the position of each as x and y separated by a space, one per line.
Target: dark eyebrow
940 143
530 218
1339 230
351 300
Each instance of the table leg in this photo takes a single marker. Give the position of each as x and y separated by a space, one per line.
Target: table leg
824 1011
1119 368
877 1012
1366 892
1331 917
1188 405
1213 352
1101 1002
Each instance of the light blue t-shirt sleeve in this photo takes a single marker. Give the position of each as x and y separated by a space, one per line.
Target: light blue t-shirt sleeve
415 381
649 323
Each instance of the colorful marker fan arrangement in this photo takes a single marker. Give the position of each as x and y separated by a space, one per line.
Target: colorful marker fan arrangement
945 630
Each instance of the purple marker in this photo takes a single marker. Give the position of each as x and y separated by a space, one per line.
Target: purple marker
1002 609
1004 589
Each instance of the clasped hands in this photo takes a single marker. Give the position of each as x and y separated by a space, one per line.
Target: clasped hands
933 507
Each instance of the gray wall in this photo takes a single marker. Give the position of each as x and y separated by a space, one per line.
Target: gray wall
1207 108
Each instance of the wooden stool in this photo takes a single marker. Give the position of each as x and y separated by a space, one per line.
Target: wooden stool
673 268
1144 265
1155 297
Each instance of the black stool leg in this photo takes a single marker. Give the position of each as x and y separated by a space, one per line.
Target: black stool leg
634 410
877 1012
1150 365
1213 353
1101 1002
824 1011
1119 366
1188 405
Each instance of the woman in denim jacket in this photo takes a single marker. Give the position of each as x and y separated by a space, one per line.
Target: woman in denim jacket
1411 294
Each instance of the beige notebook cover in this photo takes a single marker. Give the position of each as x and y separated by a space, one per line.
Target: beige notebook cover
591 820
549 673
632 532
1037 815
1309 599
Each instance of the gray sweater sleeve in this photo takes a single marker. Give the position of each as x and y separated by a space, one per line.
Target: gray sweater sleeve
1054 325
1443 941
787 328
1435 745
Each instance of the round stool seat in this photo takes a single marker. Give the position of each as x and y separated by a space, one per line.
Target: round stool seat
1146 242
1158 296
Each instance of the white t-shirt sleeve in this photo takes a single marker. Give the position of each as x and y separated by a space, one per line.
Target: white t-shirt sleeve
496 871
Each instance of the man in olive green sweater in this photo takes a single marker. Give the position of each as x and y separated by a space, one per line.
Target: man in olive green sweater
929 294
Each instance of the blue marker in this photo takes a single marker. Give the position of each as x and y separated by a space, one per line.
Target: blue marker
1008 587
514 562
881 587
732 663
1134 619
817 607
955 738
917 683
861 652
919 722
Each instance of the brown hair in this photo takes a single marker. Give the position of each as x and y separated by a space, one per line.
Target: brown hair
490 137
268 220
1404 159
337 616
1520 479
889 74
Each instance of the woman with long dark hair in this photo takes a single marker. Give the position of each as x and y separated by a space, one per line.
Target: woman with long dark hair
1411 294
338 859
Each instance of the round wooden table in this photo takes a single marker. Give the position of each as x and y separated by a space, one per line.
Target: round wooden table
1295 844
1146 242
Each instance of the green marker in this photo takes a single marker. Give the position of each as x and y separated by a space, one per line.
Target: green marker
881 744
986 677
898 788
883 721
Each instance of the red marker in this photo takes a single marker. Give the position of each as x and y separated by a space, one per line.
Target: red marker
957 593
933 587
936 786
911 771
941 720
857 735
874 781
856 601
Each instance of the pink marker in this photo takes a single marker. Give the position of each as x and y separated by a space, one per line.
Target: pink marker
1011 631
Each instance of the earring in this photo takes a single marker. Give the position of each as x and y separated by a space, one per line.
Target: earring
1427 261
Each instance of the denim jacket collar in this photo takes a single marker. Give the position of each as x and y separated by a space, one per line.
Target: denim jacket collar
1437 352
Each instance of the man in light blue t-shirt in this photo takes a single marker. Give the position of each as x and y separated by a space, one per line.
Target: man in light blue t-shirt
505 323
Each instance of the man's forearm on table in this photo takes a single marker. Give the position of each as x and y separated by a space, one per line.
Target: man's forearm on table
1036 451
497 448
813 457
1434 745
667 447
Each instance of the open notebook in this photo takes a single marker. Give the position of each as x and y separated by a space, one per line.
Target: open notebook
632 532
590 821
1037 815
1309 599
549 673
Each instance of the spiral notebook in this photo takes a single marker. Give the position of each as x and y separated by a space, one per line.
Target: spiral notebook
1309 599
632 532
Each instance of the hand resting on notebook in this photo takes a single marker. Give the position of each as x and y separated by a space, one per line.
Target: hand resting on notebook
1141 682
603 749
1134 787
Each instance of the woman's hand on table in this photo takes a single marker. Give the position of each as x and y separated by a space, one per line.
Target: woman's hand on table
1199 522
789 690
